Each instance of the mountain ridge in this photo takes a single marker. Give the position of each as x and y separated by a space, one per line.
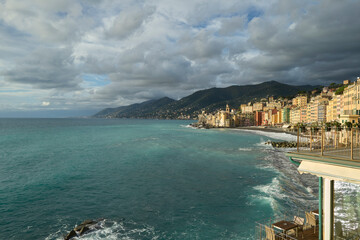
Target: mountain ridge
207 99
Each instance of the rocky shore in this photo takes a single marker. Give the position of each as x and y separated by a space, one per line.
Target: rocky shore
282 144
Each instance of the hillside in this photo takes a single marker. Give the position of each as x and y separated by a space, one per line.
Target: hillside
208 99
146 109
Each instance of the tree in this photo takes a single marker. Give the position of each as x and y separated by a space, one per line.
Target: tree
336 124
328 126
348 125
340 90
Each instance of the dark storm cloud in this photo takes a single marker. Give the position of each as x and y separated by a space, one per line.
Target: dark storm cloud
148 49
321 42
45 68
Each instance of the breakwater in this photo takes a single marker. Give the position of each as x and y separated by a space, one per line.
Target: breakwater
282 144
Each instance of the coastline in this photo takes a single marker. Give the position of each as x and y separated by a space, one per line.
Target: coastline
263 129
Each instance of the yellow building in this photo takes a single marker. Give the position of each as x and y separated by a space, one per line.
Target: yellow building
300 101
274 119
331 110
274 105
351 103
246 108
242 107
308 113
295 115
258 106
303 114
279 116
316 109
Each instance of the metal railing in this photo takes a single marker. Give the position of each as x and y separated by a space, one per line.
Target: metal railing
340 143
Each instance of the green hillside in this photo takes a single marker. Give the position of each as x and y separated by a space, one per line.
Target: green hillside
209 99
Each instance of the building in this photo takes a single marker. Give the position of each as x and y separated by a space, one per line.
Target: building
295 115
258 106
321 113
300 101
303 114
331 110
286 115
351 103
273 105
265 118
246 108
246 119
258 118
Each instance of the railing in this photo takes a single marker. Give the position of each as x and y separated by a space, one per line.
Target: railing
341 143
260 228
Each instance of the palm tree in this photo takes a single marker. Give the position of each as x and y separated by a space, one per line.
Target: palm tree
348 125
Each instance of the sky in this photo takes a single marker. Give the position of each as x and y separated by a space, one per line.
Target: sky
64 58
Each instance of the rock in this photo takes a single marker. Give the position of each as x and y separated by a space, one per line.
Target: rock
82 228
283 144
71 234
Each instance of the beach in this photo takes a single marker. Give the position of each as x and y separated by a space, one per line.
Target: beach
268 129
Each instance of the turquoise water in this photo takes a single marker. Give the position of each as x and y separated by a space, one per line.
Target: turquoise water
148 179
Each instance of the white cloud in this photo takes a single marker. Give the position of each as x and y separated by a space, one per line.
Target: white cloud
45 104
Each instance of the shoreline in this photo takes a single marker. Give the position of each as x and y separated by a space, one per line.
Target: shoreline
252 128
263 129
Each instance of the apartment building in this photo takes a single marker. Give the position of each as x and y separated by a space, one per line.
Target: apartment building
300 101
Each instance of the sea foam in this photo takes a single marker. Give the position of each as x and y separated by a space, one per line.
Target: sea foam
113 230
274 135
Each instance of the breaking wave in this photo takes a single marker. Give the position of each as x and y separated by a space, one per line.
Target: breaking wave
112 230
281 135
189 126
245 149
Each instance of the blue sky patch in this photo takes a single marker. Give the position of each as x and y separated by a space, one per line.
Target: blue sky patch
62 14
12 31
95 80
253 13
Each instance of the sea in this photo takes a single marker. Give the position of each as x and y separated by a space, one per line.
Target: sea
143 179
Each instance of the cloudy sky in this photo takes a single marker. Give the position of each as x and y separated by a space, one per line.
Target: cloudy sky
72 58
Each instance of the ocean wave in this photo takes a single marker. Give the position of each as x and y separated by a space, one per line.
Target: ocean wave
270 193
108 229
245 149
274 135
189 126
272 189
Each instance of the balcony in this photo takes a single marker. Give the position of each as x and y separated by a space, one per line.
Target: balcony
331 143
333 155
301 226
